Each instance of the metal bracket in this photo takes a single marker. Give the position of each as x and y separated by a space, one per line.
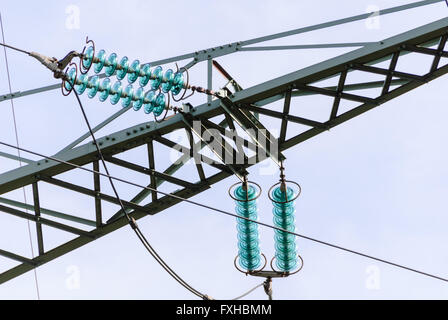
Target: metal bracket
239 173
248 122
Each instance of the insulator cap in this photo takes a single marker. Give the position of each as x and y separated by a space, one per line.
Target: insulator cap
123 70
160 104
145 75
111 64
94 85
139 96
149 102
98 66
157 75
178 83
115 94
134 71
127 95
105 89
168 80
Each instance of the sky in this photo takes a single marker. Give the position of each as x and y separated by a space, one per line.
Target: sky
376 184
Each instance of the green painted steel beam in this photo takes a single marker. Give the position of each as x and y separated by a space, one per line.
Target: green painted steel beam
225 49
142 134
49 212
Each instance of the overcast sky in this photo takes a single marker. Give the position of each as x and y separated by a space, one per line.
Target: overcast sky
376 184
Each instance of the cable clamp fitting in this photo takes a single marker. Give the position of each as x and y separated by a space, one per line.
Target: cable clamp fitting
133 223
267 285
49 63
53 64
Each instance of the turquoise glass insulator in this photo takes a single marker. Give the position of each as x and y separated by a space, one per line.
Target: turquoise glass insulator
81 83
88 57
127 95
157 77
111 64
248 242
104 90
71 75
285 243
124 64
98 66
178 83
145 74
115 92
149 102
94 85
139 96
134 71
168 80
160 104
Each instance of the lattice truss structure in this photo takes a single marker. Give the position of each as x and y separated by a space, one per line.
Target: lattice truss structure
240 108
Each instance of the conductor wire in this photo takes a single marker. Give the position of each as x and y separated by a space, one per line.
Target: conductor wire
131 221
249 292
230 214
11 47
17 142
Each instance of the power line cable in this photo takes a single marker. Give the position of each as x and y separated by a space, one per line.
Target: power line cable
131 221
230 214
249 292
18 151
141 236
13 48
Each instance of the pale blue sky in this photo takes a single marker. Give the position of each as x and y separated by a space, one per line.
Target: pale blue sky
376 184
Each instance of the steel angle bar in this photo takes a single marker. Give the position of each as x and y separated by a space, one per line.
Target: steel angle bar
16 257
52 213
14 157
253 127
44 221
225 153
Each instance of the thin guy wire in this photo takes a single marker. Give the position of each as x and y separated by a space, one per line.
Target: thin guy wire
229 213
249 292
132 222
18 151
